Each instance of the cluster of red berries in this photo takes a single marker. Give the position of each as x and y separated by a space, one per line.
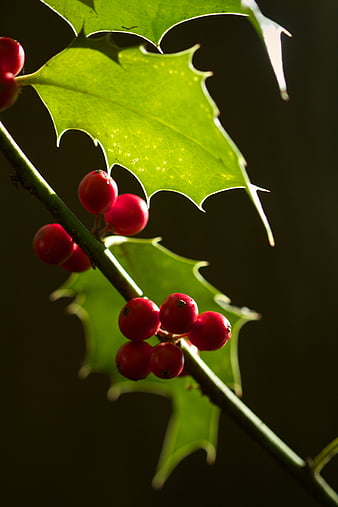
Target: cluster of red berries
12 58
176 318
124 214
140 318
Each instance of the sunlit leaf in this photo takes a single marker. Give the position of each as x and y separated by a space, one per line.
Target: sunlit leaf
151 113
152 19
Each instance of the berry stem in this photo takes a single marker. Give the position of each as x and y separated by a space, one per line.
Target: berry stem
210 384
95 230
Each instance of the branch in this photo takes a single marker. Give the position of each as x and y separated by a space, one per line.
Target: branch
210 384
232 406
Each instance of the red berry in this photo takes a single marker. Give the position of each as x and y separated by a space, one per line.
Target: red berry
78 261
178 312
12 56
97 192
52 244
210 331
128 215
9 90
133 360
139 319
167 360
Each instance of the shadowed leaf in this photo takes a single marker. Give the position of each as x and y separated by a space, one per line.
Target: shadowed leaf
159 272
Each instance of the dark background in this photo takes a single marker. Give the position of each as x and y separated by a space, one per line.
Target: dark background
62 444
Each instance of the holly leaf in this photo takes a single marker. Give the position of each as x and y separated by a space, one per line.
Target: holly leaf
151 113
153 19
159 272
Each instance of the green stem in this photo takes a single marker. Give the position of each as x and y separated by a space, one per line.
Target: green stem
324 456
209 383
231 405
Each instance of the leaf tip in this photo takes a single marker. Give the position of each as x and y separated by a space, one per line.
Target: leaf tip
84 371
270 33
210 454
113 393
157 482
238 389
194 48
252 190
284 94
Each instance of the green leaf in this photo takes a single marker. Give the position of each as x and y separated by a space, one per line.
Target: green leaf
159 272
151 113
153 19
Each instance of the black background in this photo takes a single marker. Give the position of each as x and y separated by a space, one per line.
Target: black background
61 442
